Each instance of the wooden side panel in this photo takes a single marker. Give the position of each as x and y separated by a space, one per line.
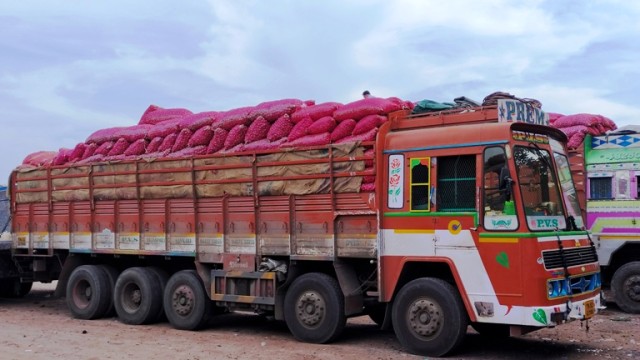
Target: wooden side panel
128 225
40 226
274 229
356 236
104 225
313 227
210 219
240 234
60 225
154 237
21 226
81 226
181 229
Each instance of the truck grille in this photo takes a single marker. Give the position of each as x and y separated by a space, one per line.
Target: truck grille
573 256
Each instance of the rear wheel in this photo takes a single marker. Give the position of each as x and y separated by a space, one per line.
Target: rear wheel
626 287
137 296
314 308
14 288
112 276
23 289
186 303
162 277
429 318
88 292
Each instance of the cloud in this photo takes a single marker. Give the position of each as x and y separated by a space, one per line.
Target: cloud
70 68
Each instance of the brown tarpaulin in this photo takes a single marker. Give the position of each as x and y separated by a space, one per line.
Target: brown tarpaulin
279 173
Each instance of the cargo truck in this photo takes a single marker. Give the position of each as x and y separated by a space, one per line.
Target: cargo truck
471 219
607 173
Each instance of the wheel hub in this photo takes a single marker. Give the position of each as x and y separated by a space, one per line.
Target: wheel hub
632 288
311 308
425 318
183 300
88 292
136 297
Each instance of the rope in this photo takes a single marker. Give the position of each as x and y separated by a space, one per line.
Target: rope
492 99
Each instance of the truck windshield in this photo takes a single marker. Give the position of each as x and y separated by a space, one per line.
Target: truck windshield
566 183
539 189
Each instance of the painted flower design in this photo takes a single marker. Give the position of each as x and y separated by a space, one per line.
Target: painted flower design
395 163
394 180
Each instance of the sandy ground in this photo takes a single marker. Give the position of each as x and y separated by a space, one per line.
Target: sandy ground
40 327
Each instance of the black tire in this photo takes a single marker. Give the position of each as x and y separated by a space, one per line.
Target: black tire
314 308
23 289
493 331
88 292
163 278
186 303
14 288
112 276
626 287
137 296
429 318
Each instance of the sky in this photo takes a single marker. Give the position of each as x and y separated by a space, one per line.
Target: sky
69 68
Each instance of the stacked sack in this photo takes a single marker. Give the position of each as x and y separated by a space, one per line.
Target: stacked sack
286 123
577 126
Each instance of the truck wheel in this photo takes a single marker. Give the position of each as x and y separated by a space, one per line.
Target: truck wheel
137 296
88 292
162 278
626 287
14 288
186 304
314 308
24 288
112 276
429 318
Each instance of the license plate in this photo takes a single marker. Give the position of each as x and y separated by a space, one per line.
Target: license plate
589 309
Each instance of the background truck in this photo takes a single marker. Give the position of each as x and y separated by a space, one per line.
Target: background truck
428 224
10 282
607 173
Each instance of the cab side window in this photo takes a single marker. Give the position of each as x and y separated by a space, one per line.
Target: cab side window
420 183
457 183
494 165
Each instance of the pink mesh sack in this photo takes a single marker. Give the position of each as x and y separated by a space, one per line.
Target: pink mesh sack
280 129
322 125
258 130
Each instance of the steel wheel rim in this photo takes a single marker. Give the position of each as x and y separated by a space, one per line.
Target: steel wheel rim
82 293
183 300
631 287
132 297
310 309
425 318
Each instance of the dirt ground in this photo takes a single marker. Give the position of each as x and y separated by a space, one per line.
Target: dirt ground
40 327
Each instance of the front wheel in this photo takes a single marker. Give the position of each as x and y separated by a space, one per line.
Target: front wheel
429 318
186 303
314 308
626 287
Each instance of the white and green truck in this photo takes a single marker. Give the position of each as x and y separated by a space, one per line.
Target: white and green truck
606 169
